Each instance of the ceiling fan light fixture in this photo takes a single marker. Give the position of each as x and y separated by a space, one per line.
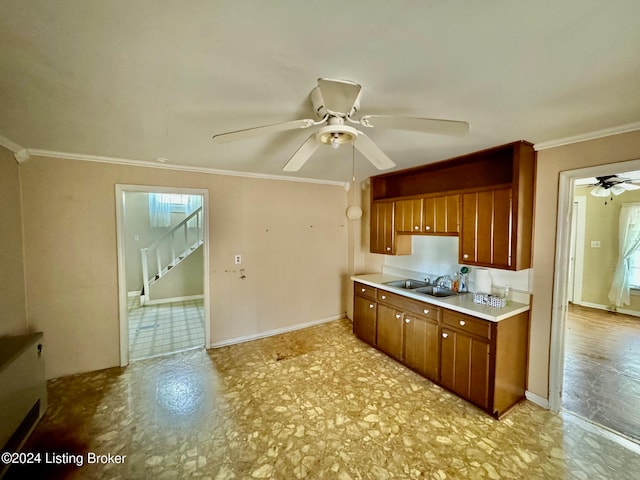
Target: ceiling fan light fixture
600 191
336 135
617 189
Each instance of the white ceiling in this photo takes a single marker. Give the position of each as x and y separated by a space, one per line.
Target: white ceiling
145 79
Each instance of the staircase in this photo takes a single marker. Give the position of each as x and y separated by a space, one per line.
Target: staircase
170 250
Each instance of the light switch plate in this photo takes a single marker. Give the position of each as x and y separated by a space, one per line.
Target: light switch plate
595 243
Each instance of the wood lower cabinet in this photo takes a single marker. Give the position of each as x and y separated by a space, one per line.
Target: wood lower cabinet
389 330
482 361
364 316
485 362
464 366
421 345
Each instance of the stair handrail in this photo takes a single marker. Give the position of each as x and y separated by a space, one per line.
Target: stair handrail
144 252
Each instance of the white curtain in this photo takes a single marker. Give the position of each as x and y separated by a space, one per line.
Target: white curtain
193 203
160 209
628 244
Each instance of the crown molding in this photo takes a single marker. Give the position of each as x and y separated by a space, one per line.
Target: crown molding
629 127
10 145
182 168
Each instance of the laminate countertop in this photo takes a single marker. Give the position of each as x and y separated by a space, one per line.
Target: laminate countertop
462 303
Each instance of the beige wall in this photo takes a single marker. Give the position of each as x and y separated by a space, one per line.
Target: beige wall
13 317
292 235
613 149
601 224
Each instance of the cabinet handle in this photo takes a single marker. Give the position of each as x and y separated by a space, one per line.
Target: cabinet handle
462 322
364 290
407 320
398 315
425 311
384 297
445 335
371 305
427 228
416 227
465 256
388 249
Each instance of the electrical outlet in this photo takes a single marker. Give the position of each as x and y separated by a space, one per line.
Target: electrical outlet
237 259
595 243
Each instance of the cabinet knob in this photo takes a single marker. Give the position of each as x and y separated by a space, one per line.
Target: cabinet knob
407 320
425 311
465 256
388 249
364 290
462 322
445 335
384 297
416 227
427 228
371 305
398 315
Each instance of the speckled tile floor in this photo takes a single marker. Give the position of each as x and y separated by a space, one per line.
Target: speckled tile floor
314 404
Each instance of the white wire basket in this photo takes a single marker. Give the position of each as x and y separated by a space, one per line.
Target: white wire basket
490 300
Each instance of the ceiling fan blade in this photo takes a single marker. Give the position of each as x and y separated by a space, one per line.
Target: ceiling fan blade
628 186
373 153
303 153
416 124
252 132
600 191
339 95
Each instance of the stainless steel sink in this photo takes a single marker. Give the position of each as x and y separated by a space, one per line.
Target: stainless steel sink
409 284
436 291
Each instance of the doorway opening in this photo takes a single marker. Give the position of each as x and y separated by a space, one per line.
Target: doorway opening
594 372
162 270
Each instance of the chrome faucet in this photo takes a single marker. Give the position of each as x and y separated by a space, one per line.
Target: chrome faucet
443 281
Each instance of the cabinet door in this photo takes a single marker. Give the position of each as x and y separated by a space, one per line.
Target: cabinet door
364 319
389 331
441 214
464 366
382 231
408 216
486 228
421 345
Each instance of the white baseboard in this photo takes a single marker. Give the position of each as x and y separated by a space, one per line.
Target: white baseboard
537 399
624 311
276 331
173 299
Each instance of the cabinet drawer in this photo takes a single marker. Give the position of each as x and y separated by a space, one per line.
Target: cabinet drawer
364 290
409 305
467 323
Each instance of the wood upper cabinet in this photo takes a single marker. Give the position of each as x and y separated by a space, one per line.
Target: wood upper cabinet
383 238
441 215
484 197
408 215
486 234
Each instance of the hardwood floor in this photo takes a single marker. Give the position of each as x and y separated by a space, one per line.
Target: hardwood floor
602 368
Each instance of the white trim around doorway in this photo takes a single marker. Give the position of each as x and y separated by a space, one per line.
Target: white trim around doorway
122 290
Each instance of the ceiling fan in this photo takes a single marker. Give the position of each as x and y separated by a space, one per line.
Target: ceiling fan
335 102
612 185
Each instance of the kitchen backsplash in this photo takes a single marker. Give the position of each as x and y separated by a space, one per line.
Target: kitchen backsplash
434 256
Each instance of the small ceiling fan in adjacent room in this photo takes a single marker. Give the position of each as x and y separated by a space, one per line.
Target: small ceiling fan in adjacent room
335 103
610 185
